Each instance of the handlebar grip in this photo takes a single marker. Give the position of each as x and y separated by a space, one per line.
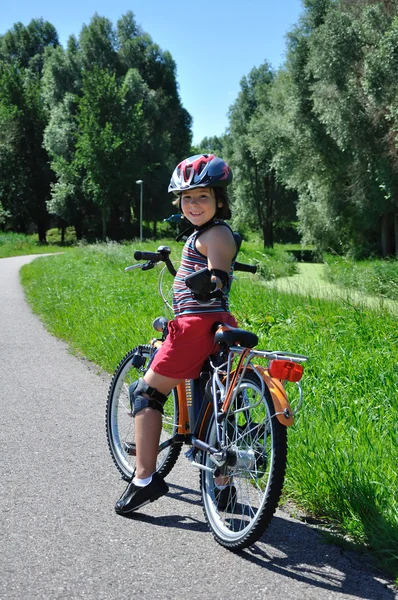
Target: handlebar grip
243 267
138 255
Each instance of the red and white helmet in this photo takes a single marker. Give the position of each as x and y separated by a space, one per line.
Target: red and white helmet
201 170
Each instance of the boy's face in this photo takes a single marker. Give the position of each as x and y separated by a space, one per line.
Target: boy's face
199 205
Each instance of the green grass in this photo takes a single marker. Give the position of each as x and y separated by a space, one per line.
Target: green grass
272 263
343 457
377 277
19 244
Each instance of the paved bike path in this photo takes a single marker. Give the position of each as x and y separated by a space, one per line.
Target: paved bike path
60 538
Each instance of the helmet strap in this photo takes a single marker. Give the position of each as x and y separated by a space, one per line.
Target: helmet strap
199 228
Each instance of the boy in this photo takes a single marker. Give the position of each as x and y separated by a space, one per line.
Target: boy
199 183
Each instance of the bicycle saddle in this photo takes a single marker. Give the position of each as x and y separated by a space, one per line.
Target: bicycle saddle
225 334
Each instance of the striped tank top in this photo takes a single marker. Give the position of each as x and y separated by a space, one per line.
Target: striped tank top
183 302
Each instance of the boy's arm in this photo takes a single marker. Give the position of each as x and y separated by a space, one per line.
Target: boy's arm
218 244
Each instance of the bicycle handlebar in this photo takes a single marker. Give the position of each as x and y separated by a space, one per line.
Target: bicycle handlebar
163 255
152 256
243 267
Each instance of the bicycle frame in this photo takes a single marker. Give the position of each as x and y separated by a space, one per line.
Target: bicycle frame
225 379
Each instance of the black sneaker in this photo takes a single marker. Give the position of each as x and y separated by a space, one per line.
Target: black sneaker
226 498
134 496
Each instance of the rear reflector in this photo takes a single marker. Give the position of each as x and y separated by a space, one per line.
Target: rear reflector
285 370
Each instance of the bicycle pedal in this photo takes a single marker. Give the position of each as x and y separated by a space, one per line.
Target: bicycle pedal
190 454
130 448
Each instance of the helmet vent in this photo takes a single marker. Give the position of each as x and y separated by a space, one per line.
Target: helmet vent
187 173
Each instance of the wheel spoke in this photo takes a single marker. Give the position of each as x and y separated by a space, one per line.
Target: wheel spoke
120 424
256 448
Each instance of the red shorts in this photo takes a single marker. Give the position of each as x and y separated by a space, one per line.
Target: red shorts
189 342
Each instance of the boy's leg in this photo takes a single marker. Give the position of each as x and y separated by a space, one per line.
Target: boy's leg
148 426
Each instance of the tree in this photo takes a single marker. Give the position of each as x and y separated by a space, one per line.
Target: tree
336 155
380 83
25 174
167 134
109 129
25 46
258 197
116 117
210 145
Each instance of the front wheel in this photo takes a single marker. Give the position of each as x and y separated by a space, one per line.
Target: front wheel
240 498
120 425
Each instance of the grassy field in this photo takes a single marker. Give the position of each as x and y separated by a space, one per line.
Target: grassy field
378 277
18 244
343 450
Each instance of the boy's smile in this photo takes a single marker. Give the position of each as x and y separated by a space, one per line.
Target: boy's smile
198 205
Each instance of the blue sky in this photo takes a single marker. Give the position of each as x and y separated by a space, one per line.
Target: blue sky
214 44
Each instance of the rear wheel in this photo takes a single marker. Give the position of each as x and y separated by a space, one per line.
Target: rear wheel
120 425
256 447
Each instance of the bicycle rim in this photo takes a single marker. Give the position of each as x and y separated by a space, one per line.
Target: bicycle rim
120 425
256 445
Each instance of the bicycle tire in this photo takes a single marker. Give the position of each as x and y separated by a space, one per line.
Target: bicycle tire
120 429
257 443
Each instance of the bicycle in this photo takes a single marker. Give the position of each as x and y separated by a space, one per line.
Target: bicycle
234 419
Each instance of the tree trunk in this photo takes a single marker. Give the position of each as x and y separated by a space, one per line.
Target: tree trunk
115 225
388 237
103 224
41 230
155 227
396 233
78 229
20 225
258 199
268 228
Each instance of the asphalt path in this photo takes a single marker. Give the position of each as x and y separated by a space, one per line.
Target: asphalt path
60 537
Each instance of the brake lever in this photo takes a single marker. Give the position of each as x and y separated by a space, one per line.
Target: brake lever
148 265
143 266
132 267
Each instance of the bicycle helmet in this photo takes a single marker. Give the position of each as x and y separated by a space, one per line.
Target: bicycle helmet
201 170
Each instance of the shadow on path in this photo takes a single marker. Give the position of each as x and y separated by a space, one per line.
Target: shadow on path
291 549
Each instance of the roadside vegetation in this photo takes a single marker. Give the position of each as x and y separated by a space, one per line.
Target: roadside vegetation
377 277
19 244
343 451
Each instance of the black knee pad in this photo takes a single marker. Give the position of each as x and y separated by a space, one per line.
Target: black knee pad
138 401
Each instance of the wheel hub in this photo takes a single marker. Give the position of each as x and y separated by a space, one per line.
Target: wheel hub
241 459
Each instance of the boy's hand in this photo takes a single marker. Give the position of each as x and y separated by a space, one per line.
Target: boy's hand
201 282
215 279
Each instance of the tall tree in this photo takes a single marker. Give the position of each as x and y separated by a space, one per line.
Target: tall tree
210 145
338 159
115 114
61 89
257 194
109 129
26 188
168 125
